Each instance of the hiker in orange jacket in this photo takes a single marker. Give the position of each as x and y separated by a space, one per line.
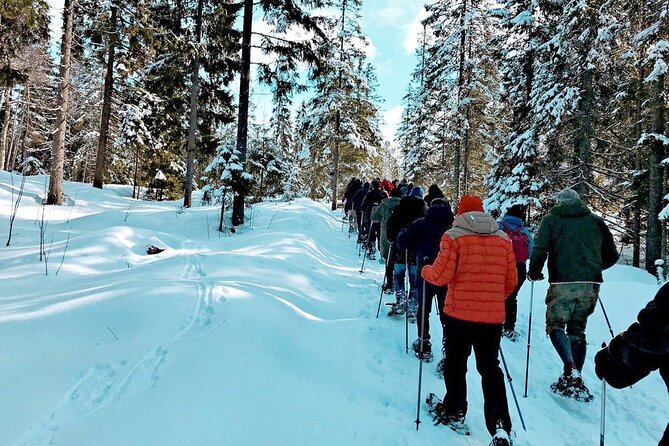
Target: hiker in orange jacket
477 262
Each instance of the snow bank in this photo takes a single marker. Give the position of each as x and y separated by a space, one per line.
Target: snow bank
267 337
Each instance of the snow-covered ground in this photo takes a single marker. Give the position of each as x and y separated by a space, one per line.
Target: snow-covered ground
267 337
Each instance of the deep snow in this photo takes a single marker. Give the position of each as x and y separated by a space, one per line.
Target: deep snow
265 337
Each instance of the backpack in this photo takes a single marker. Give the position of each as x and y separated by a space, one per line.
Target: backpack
520 241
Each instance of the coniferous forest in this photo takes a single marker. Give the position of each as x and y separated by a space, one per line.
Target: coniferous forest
512 100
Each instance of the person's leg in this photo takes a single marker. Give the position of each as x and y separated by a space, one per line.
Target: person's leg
511 302
584 306
399 271
458 348
560 303
415 293
424 311
486 350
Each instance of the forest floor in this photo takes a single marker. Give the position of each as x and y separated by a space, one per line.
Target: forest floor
266 337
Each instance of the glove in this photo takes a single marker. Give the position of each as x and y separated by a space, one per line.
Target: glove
535 277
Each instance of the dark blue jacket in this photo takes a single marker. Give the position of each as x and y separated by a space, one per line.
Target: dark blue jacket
424 235
359 197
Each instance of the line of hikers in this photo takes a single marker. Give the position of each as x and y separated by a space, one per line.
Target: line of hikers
473 267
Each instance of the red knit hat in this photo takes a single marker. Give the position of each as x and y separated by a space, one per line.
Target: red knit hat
469 203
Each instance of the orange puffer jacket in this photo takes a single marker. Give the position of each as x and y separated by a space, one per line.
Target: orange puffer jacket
477 263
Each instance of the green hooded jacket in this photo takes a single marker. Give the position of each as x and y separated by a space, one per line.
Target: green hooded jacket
576 242
381 213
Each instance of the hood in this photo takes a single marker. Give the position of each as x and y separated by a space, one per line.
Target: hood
571 208
392 201
513 222
440 214
477 222
435 192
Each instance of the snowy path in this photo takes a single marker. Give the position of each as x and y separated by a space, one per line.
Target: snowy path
267 337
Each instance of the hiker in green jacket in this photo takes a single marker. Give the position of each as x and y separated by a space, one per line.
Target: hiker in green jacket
578 246
381 213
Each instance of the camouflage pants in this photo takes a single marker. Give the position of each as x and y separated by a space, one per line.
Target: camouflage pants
568 305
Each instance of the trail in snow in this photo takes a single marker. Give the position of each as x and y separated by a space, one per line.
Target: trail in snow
266 337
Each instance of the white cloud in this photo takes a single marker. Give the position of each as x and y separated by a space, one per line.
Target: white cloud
414 31
391 120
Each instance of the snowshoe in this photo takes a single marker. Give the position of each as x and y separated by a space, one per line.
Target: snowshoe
454 422
388 289
398 309
371 255
501 438
439 372
572 386
426 355
511 335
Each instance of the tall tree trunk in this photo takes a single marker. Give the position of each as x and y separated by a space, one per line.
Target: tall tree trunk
654 228
335 170
24 130
243 121
192 123
584 132
4 142
638 130
100 159
58 151
457 159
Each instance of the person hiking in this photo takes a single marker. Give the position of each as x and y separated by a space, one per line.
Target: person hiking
381 214
422 237
513 223
432 193
358 198
578 247
372 199
641 349
477 262
354 186
406 212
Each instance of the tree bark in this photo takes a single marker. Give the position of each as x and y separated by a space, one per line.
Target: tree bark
5 128
55 195
584 133
654 229
100 159
243 120
335 170
192 122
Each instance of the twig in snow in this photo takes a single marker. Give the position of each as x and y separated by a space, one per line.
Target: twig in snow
127 262
132 203
270 222
208 226
46 257
73 205
15 209
67 243
112 332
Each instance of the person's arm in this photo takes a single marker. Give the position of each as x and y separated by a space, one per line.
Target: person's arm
610 254
406 239
511 272
442 271
540 251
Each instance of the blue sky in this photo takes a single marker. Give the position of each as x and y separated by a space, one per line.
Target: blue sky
393 27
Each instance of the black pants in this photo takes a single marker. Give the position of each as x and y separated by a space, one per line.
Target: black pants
459 339
512 300
430 292
375 234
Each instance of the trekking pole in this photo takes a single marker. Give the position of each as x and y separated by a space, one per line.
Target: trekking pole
602 425
529 338
606 316
513 392
422 343
362 268
385 280
406 298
